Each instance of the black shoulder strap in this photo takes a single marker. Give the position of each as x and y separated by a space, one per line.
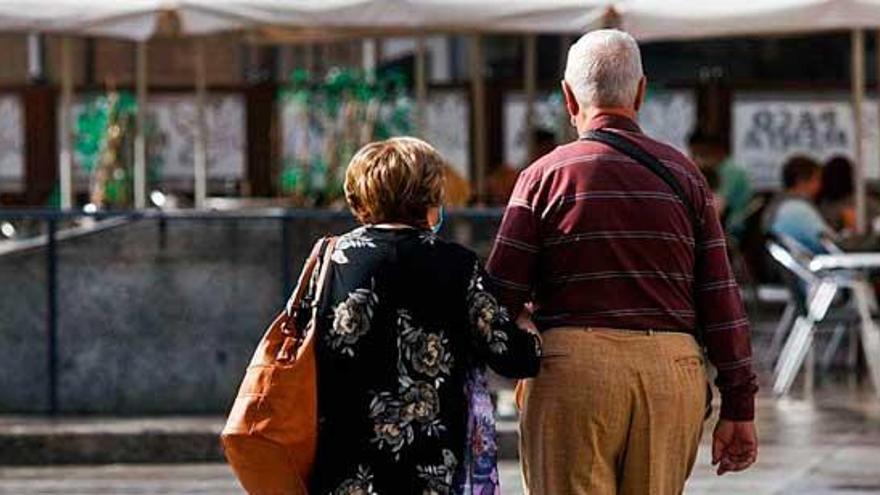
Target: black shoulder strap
649 161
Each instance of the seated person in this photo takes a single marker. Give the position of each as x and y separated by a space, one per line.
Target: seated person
837 198
793 214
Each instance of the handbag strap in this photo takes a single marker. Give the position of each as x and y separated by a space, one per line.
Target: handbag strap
629 148
321 253
321 282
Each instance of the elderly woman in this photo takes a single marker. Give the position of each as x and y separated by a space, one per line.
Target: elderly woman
404 318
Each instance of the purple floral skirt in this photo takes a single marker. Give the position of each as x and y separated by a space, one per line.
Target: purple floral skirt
479 471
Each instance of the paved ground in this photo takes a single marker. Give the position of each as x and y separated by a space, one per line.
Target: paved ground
830 445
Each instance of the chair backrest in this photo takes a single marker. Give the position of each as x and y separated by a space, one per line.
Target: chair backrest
830 245
792 256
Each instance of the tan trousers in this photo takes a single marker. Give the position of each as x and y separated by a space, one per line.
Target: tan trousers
612 412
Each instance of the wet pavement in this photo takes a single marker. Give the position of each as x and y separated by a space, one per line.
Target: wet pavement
830 445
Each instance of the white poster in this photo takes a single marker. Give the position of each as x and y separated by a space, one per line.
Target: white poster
668 116
171 144
448 128
549 115
11 142
171 135
770 128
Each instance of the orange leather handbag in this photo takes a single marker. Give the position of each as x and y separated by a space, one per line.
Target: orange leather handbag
271 432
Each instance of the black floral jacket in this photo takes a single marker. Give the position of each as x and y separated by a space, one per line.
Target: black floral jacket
403 317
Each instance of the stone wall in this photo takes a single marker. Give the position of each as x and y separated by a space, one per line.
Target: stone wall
153 322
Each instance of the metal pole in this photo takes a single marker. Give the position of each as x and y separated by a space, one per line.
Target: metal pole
200 146
478 105
140 140
530 83
52 315
65 162
421 87
858 97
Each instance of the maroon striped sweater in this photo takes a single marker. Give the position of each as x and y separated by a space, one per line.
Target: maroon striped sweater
595 239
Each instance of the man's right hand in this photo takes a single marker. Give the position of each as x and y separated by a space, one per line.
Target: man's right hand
734 446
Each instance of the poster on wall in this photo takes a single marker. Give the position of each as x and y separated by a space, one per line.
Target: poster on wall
549 115
11 143
172 139
668 116
769 128
171 136
448 127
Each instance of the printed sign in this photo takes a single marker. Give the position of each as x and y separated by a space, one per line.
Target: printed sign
171 136
768 129
174 117
448 128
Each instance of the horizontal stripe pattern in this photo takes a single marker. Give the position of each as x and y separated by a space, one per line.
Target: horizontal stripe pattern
594 238
619 234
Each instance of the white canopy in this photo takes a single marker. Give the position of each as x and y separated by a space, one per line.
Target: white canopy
646 19
571 16
141 19
689 19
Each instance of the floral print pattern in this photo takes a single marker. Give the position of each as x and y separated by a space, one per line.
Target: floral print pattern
360 484
428 237
486 315
356 239
427 353
352 319
416 404
438 478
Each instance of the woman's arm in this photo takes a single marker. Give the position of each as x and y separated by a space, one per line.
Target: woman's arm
507 349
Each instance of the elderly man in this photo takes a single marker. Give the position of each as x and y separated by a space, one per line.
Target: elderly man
625 267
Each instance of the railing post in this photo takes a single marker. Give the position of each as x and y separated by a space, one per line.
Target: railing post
52 314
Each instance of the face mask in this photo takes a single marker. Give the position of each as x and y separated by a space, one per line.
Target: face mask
439 225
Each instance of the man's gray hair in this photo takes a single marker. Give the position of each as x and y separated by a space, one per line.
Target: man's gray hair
604 69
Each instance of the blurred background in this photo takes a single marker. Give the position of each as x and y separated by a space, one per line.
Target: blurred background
165 166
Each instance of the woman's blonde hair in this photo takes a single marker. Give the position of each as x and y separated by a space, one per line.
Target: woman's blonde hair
396 180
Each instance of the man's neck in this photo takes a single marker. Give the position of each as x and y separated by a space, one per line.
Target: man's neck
583 120
797 193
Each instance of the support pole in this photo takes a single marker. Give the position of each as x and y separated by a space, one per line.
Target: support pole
52 314
478 106
421 87
858 97
568 131
200 146
36 66
65 162
370 58
140 140
530 84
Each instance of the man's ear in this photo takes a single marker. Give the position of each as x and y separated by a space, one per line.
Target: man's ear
640 94
571 103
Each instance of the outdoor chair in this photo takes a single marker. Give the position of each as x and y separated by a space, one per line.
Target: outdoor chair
819 299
